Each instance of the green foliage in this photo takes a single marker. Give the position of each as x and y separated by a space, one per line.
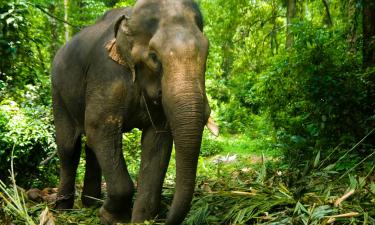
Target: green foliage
84 13
238 207
131 147
15 205
247 193
210 145
28 132
13 25
312 101
25 120
314 93
240 33
124 3
24 59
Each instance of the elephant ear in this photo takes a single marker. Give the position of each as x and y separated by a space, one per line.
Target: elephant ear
121 53
114 53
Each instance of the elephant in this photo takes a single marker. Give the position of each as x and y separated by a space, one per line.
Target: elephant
136 67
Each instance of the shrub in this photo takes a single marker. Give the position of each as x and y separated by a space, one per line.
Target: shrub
131 147
27 130
210 146
314 94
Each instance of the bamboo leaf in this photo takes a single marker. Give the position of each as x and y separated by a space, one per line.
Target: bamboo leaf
317 160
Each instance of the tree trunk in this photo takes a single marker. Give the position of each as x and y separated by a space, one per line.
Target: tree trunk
327 18
66 26
369 57
352 37
53 27
290 15
368 33
274 42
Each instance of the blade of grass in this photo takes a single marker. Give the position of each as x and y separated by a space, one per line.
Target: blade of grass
356 165
356 145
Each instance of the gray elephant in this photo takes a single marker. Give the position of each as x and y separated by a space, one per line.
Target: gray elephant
137 67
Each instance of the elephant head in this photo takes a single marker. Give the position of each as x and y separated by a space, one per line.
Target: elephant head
164 40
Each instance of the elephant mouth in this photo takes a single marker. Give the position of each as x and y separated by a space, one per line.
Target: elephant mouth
152 117
151 100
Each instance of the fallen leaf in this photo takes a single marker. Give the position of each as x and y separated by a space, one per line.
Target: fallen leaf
46 217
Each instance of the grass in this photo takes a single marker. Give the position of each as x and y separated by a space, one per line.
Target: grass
253 188
15 205
237 193
257 140
244 145
268 195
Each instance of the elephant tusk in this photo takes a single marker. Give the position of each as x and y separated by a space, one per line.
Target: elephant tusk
212 127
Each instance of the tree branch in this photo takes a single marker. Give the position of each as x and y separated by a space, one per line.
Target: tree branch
53 16
329 18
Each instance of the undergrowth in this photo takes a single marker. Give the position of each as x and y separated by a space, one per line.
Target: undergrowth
247 189
272 196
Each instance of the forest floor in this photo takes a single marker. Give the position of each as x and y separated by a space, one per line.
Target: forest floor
238 187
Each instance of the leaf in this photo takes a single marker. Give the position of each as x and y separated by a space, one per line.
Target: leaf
329 167
300 208
317 160
321 211
3 15
10 20
372 187
361 182
353 182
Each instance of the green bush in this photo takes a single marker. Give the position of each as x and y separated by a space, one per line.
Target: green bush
131 147
26 130
314 94
210 146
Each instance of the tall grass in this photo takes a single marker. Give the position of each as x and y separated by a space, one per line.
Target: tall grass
271 193
14 201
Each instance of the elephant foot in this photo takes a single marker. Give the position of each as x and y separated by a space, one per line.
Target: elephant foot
107 218
64 201
140 214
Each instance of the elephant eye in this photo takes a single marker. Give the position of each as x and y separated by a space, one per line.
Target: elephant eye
153 62
153 57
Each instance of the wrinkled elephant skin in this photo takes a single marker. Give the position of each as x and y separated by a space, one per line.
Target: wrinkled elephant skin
140 67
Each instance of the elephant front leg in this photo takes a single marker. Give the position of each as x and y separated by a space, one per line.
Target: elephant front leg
156 152
105 140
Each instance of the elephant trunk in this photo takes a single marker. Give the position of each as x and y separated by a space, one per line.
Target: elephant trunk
185 110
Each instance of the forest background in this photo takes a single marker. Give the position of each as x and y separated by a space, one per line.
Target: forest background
291 84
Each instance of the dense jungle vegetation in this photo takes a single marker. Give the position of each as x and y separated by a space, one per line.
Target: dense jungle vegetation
291 84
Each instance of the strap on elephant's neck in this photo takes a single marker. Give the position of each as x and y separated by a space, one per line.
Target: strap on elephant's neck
152 122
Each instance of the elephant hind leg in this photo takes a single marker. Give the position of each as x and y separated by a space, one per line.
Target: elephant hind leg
93 179
68 140
69 149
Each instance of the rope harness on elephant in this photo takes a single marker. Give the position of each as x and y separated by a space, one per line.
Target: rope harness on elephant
157 131
65 197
